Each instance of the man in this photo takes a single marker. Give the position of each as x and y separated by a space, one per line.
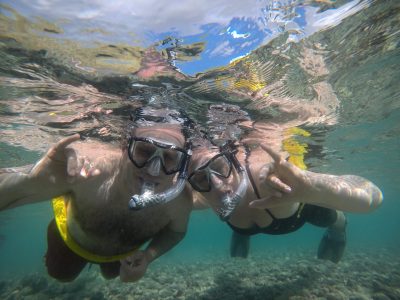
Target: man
92 185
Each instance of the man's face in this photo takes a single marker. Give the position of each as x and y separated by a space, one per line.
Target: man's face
154 158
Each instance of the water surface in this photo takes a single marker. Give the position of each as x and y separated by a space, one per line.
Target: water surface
331 68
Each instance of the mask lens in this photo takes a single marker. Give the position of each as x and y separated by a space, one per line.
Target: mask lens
141 152
172 160
144 151
221 167
200 180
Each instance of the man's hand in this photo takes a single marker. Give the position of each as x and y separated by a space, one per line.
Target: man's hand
53 175
61 164
133 267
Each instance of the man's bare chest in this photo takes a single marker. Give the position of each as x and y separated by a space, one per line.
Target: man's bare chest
111 222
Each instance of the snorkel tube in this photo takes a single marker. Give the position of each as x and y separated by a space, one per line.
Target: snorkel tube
232 200
148 198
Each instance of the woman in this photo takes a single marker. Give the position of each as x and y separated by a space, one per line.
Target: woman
274 196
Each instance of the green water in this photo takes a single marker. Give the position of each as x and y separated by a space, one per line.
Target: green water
39 75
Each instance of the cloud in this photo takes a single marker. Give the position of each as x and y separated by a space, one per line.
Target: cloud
156 16
316 21
224 49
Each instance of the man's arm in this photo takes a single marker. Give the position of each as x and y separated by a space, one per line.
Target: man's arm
172 234
164 241
16 187
47 178
134 267
53 175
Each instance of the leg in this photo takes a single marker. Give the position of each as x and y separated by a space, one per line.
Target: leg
240 245
62 264
110 270
333 242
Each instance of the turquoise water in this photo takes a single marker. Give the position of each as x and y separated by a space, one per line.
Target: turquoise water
75 67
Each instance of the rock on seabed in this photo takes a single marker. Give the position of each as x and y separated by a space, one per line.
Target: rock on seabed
295 276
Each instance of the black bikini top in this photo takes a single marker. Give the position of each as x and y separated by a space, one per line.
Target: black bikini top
278 226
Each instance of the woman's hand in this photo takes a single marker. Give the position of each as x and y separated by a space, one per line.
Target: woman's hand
133 267
282 181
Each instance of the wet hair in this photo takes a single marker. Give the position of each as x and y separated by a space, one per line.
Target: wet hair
224 123
149 116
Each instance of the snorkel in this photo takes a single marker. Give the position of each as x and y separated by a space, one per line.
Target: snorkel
145 117
148 198
231 200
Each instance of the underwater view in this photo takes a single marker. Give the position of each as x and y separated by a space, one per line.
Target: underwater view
317 82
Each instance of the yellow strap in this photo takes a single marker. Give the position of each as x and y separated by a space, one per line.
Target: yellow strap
295 149
60 213
296 152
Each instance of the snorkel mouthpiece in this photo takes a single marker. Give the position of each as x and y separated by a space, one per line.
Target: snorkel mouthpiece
139 201
232 200
148 198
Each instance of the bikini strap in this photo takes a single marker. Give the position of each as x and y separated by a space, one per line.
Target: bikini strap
252 182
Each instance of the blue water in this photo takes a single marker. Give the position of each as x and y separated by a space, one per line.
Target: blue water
359 41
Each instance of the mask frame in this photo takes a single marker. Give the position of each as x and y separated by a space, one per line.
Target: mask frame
157 153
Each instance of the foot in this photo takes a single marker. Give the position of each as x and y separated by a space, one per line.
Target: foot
240 245
332 245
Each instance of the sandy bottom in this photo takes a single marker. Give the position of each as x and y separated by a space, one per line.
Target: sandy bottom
360 275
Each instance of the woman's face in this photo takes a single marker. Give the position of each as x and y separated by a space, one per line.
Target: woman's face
212 174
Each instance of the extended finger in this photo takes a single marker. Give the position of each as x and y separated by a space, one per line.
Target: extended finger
275 155
66 141
57 151
278 184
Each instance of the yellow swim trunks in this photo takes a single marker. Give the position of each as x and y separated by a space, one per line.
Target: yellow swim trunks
60 214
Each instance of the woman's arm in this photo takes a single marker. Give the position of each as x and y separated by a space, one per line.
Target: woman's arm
347 193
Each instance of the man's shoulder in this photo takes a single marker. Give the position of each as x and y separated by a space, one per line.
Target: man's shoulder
184 201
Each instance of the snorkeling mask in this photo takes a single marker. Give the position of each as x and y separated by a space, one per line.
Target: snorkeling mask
172 159
221 166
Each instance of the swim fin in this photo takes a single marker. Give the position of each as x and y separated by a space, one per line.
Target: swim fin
332 245
240 245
